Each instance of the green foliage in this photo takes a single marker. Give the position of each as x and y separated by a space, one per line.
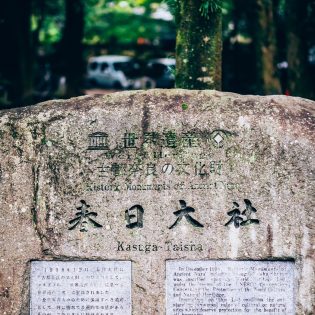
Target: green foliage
118 24
207 7
122 22
210 6
173 6
106 21
47 20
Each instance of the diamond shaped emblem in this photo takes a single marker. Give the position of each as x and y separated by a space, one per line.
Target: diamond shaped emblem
218 138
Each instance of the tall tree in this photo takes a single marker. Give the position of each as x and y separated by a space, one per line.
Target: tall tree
262 26
72 47
198 43
297 15
16 52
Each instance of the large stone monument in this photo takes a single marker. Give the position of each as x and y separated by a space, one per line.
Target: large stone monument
161 202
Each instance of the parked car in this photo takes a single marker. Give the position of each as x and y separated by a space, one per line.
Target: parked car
110 71
162 72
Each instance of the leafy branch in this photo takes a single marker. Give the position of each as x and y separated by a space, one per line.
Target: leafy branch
210 6
206 8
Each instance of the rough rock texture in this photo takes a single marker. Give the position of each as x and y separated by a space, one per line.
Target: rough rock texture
206 148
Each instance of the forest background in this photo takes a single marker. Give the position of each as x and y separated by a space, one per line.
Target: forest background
265 46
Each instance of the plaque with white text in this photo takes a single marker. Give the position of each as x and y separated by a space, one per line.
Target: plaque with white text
80 287
230 287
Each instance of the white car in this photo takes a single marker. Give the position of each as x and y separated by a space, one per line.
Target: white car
109 71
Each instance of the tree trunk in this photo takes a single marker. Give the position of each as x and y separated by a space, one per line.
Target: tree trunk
72 48
198 47
264 42
300 83
16 52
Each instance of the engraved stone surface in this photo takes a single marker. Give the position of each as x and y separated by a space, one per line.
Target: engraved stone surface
152 176
80 287
230 287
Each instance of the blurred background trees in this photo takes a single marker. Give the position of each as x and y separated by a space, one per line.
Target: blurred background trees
268 45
